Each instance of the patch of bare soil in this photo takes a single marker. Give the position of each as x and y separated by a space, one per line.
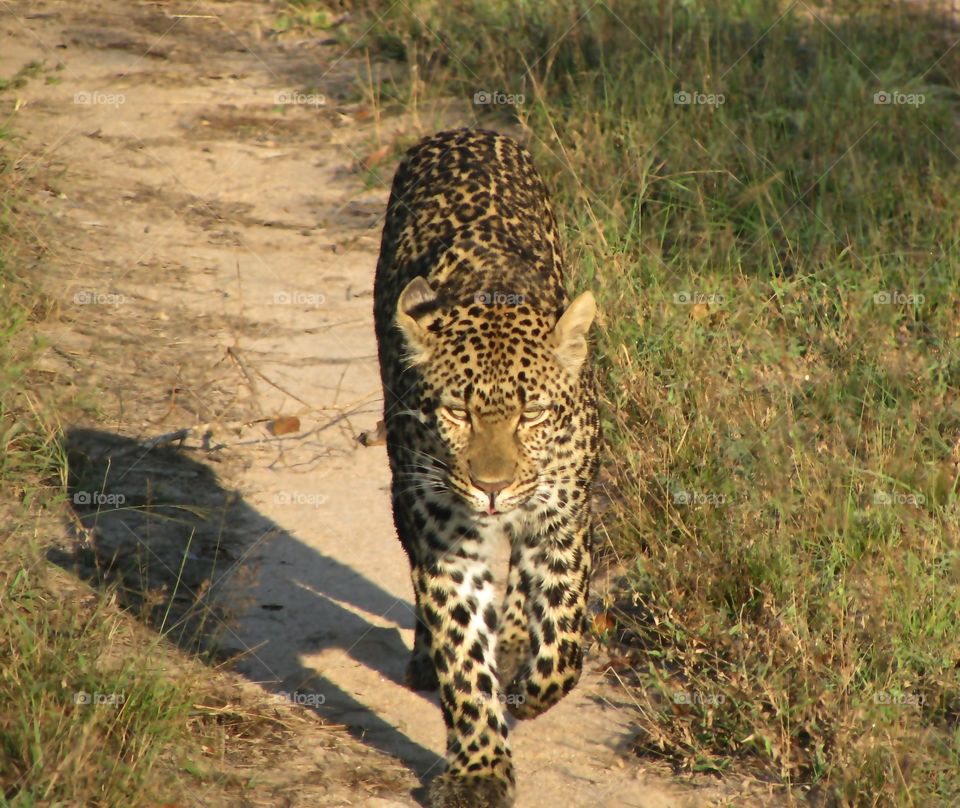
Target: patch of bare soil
213 269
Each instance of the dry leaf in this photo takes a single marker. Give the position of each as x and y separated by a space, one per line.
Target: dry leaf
603 622
376 157
700 311
284 425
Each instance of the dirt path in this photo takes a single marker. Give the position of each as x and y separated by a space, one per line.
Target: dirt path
218 258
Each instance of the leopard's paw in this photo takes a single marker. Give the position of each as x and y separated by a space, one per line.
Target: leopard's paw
421 674
531 692
490 789
512 655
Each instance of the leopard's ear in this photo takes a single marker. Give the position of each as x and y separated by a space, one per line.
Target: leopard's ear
416 293
569 335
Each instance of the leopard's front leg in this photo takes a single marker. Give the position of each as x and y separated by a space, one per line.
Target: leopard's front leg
513 640
420 673
554 574
455 590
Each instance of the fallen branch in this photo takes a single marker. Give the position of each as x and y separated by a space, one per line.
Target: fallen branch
205 431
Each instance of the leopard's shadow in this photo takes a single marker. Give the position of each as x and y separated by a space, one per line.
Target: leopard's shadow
179 548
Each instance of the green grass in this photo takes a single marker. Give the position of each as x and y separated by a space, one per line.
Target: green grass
28 446
98 711
21 77
88 714
778 353
75 728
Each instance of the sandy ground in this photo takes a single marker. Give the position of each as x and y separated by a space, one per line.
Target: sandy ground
214 264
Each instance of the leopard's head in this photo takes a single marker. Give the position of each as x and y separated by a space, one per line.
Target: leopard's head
500 384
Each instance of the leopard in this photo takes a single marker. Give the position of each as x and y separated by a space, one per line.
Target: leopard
492 435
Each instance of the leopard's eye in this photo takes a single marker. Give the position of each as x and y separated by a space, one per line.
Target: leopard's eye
458 414
532 416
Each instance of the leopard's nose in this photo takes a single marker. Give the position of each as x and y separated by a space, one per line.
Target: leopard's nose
490 487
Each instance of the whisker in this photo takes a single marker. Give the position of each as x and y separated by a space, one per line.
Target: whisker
426 455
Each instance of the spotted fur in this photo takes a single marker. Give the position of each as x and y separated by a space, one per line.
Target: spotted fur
492 436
